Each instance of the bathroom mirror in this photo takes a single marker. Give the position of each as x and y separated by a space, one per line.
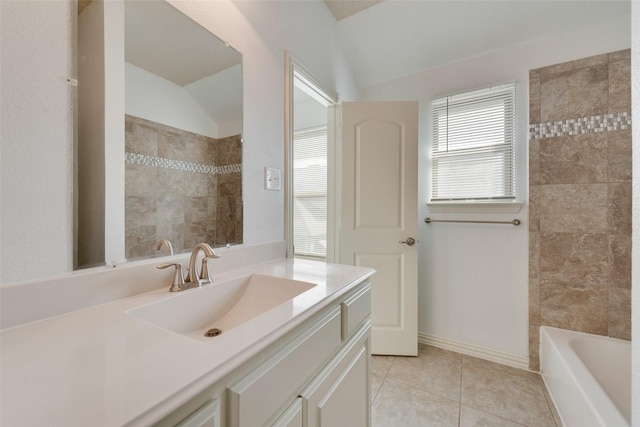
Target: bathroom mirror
158 150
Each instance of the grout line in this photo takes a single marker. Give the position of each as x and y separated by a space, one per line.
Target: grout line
496 415
550 405
384 378
421 390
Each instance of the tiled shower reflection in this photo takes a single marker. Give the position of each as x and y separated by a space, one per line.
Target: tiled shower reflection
180 186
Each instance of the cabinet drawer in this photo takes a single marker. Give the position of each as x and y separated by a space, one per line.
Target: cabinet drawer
256 399
355 310
208 415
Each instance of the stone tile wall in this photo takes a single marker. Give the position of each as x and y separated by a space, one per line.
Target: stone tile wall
580 197
180 186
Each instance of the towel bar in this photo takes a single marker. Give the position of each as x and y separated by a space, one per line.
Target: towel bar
515 222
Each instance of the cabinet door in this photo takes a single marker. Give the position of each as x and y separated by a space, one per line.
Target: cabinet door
340 395
257 399
292 417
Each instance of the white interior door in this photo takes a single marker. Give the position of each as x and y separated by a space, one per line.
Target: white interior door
379 212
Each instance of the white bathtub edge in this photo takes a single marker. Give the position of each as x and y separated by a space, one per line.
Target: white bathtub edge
571 386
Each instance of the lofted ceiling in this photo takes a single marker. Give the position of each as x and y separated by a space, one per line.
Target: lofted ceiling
343 8
389 39
156 36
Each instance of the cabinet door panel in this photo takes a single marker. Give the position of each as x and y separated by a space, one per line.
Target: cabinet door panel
345 402
340 395
292 417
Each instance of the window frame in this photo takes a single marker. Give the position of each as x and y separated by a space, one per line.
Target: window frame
507 202
295 71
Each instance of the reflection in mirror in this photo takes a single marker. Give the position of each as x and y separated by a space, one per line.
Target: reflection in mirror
180 147
310 162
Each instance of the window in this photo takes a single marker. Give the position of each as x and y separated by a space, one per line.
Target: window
473 151
310 192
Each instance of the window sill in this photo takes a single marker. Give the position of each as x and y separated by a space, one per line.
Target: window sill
474 207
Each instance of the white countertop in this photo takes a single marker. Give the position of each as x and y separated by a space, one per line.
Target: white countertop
101 366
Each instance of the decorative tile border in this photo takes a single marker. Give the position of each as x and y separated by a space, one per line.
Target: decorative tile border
160 162
602 123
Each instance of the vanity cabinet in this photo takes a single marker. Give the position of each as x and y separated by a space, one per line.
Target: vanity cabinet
340 394
258 397
315 376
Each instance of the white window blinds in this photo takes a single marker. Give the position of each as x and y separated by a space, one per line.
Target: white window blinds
310 192
473 151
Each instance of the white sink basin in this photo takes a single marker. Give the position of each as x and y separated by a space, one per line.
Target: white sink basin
221 306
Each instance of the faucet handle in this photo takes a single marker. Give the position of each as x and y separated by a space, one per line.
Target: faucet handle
178 279
205 276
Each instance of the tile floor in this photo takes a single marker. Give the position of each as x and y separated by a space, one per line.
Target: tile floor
441 388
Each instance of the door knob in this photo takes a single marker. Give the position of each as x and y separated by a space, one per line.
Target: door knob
410 241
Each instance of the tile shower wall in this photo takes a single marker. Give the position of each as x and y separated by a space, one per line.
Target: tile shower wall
180 186
580 197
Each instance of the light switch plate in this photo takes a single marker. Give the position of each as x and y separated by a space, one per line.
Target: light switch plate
271 179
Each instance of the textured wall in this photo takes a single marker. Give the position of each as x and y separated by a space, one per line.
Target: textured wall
580 197
180 186
36 172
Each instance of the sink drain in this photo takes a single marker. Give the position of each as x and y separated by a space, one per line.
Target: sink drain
213 332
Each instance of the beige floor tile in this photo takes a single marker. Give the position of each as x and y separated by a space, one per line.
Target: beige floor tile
515 395
429 372
380 365
471 417
399 405
435 351
376 382
474 362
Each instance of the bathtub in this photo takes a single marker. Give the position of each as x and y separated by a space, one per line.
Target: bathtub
588 377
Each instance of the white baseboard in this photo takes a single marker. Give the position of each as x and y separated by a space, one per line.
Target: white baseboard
475 351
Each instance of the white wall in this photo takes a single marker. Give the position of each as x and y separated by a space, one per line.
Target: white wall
36 158
473 279
35 139
221 96
262 31
151 97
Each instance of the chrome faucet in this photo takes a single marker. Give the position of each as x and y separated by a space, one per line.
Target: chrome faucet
164 243
193 277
